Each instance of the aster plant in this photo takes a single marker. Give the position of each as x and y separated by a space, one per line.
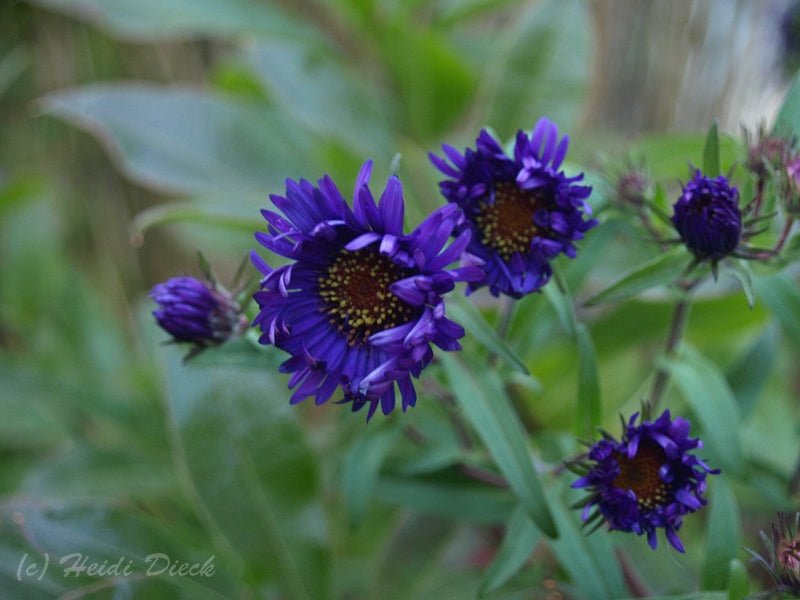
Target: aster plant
647 480
360 303
523 209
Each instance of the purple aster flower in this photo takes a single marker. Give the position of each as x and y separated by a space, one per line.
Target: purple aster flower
646 481
708 218
360 302
197 312
523 211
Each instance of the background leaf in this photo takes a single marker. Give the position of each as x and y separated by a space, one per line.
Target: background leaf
520 538
714 405
151 19
662 270
711 153
724 535
490 413
590 408
185 141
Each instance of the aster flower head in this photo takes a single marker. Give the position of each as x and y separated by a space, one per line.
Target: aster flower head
708 218
360 302
198 312
522 209
647 480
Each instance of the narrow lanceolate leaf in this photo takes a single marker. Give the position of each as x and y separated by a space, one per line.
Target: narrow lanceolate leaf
749 374
662 270
782 298
590 408
788 121
362 467
711 153
561 301
168 19
713 403
724 535
472 502
741 272
489 410
738 580
589 560
465 313
520 539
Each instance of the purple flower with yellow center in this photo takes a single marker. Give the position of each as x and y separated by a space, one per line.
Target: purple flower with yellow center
360 302
523 210
198 312
708 218
647 480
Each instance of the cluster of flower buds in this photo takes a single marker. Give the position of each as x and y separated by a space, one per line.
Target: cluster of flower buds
710 216
782 561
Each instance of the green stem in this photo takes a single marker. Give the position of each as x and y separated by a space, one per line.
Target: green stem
675 333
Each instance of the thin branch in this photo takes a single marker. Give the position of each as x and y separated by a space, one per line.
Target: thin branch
675 333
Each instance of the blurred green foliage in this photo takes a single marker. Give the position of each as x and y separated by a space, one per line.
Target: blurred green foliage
112 448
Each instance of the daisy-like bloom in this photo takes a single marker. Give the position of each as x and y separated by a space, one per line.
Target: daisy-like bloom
523 210
708 218
647 480
198 312
360 302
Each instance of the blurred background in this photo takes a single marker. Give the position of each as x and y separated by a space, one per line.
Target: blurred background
135 132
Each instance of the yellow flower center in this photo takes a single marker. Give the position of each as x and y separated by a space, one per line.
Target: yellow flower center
357 300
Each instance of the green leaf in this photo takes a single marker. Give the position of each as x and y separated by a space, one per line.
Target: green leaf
253 480
741 272
185 141
713 403
562 304
454 500
788 119
466 314
539 67
750 373
590 407
724 534
323 95
590 563
711 153
520 538
101 477
158 19
738 580
434 82
179 212
102 534
781 295
362 466
488 408
662 270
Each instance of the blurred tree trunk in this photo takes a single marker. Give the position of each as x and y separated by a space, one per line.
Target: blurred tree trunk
680 64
